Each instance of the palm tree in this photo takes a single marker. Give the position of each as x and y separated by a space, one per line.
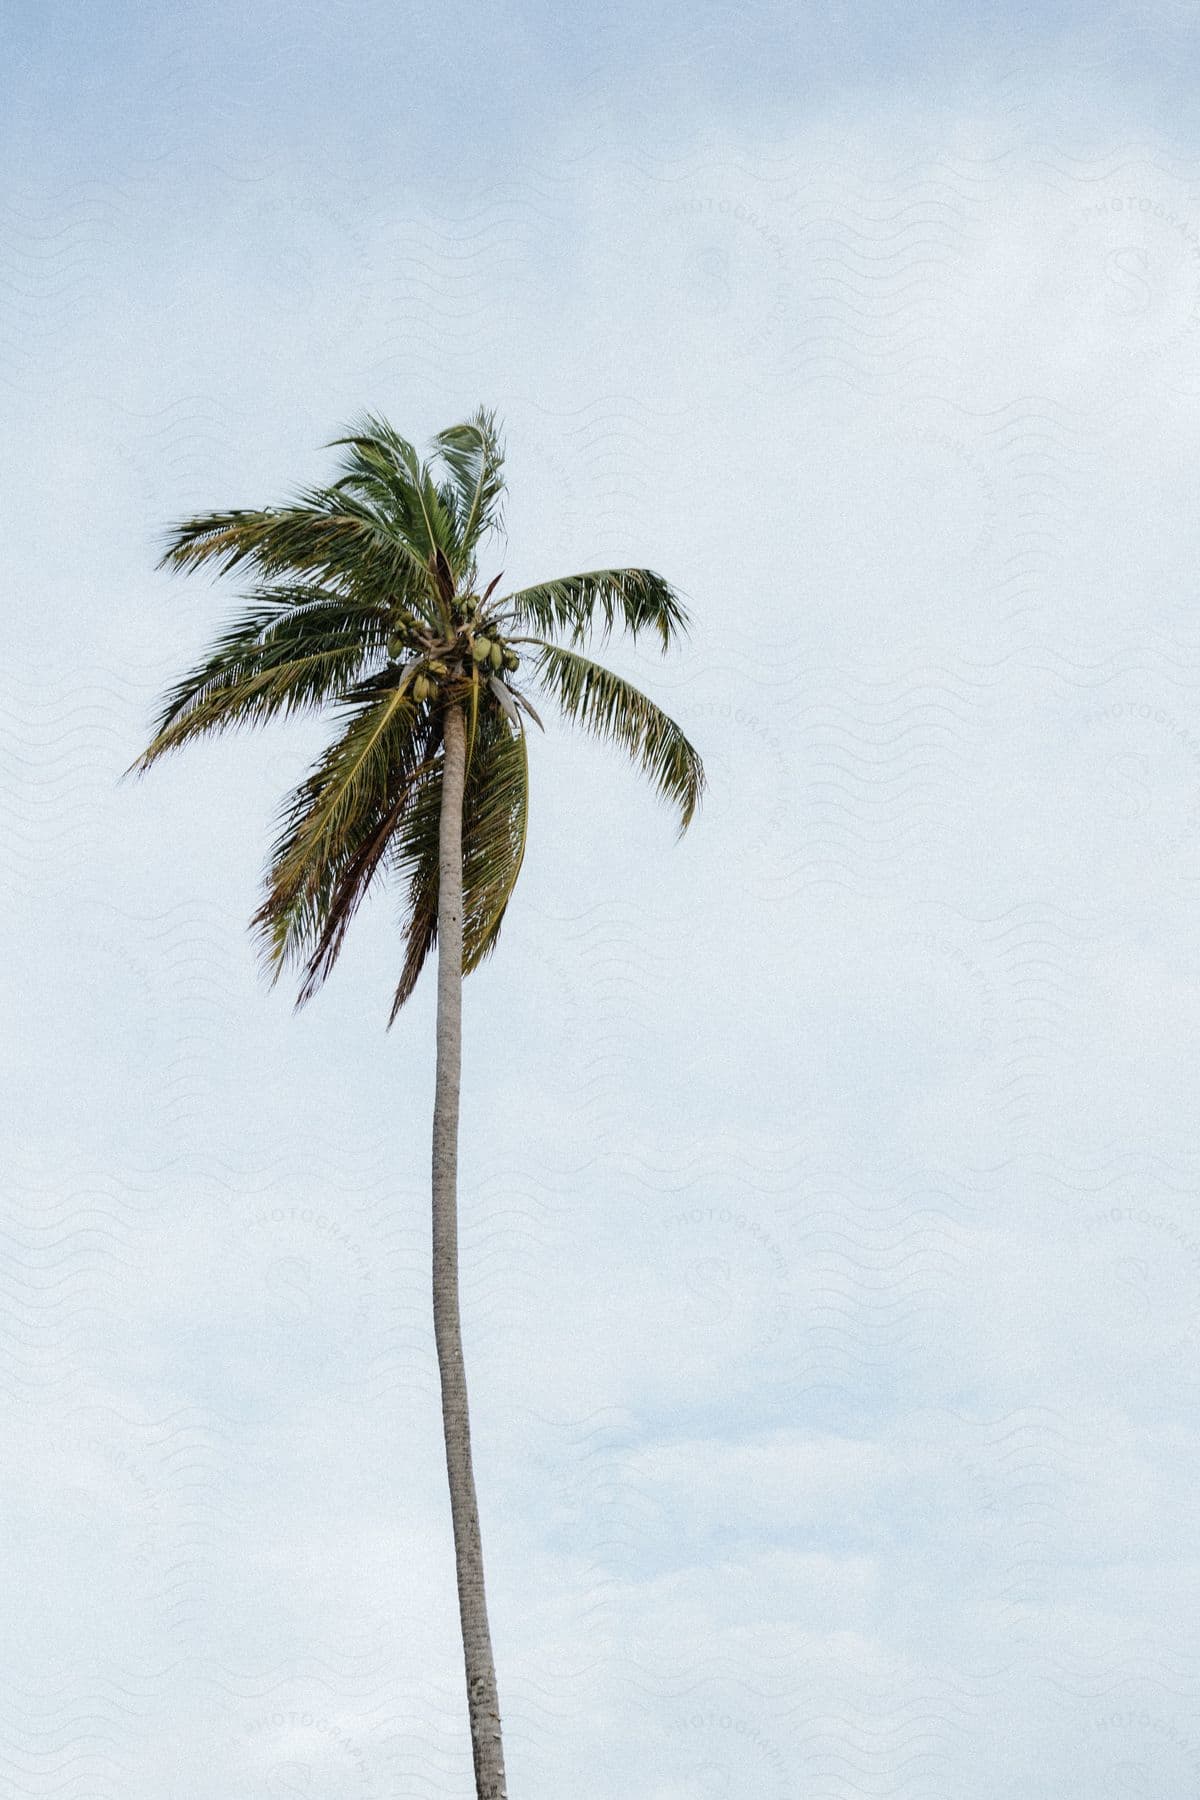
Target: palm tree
366 604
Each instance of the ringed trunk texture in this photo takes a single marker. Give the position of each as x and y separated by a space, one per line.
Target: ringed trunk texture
482 1701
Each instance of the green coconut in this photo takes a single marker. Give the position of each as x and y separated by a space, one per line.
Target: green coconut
420 688
496 656
481 649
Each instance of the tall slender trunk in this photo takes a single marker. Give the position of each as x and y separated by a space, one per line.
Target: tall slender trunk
482 1701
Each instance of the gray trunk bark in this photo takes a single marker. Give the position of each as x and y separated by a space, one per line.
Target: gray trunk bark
482 1702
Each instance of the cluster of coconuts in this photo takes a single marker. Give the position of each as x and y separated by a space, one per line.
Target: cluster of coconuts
485 650
486 653
425 686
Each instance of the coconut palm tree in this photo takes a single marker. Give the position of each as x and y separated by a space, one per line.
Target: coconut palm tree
367 604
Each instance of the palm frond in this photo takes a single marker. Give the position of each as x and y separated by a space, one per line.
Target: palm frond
385 470
474 456
335 829
294 649
414 858
346 880
331 536
378 440
578 604
495 823
497 811
611 708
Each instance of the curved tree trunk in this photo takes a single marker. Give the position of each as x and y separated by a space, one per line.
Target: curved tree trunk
482 1701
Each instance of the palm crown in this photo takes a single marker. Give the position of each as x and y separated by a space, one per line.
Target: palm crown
366 603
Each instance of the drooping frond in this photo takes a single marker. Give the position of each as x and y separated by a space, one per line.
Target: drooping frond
579 604
414 859
474 456
494 843
611 708
348 877
293 650
335 829
330 536
495 821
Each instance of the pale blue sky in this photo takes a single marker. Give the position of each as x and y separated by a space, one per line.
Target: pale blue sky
830 1241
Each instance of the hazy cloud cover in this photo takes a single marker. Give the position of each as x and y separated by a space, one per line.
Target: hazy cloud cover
831 1252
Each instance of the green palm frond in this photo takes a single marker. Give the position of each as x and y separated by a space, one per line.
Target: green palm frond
414 859
494 843
329 536
579 604
474 455
294 649
495 823
385 471
612 709
335 828
344 881
383 451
